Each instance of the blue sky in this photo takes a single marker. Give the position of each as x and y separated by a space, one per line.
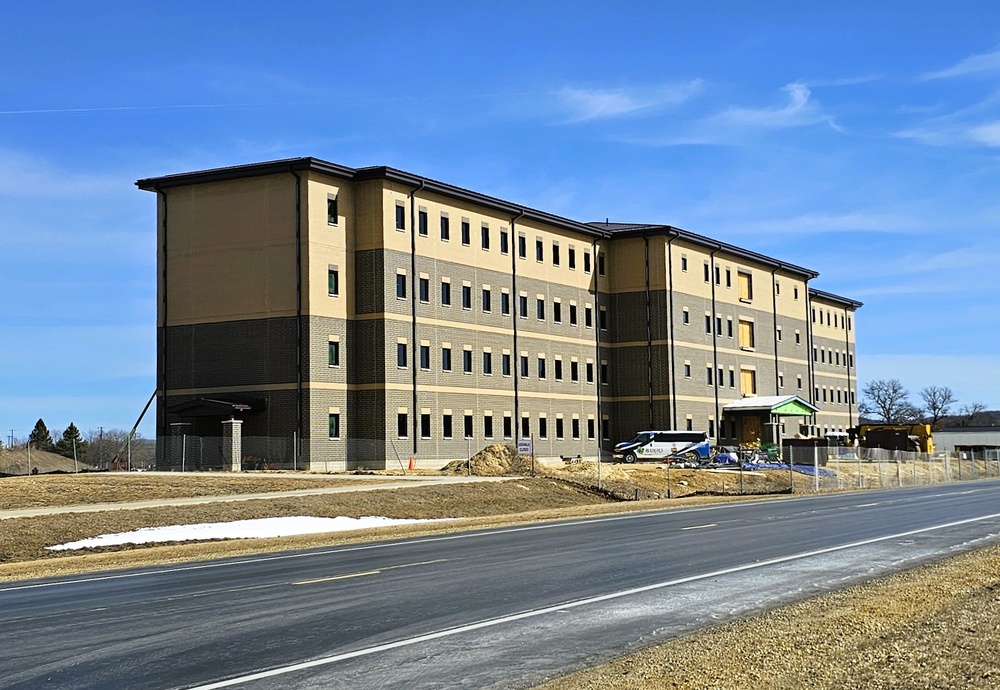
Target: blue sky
861 140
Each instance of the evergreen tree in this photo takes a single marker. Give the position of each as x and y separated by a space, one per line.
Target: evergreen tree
40 438
64 446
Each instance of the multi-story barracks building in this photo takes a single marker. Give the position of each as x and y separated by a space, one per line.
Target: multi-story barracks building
360 317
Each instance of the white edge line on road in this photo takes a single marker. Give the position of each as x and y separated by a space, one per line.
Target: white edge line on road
291 668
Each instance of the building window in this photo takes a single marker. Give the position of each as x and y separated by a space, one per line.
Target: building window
558 370
708 273
524 366
795 291
446 359
540 309
505 363
425 290
586 262
445 229
748 382
588 317
488 363
543 427
572 314
687 370
401 355
600 263
466 297
574 426
525 427
334 424
571 257
745 281
505 303
507 426
798 382
708 324
777 334
487 300
541 368
522 306
333 282
488 426
425 357
602 316
709 373
446 425
400 217
590 372
539 250
422 223
331 210
333 353
685 317
711 428
798 338
605 428
402 425
781 380
732 378
684 263
467 361
718 273
400 286
689 424
729 278
557 311
466 233
425 425
468 426
504 241
574 371
445 294
485 232
604 373
729 326
747 341
555 254
590 429
522 246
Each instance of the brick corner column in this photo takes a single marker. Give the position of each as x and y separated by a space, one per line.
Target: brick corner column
232 444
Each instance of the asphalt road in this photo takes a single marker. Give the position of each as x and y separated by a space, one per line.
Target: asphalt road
502 608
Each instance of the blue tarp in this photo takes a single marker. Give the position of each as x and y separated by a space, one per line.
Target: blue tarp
804 469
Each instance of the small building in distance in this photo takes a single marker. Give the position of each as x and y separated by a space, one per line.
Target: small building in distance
357 317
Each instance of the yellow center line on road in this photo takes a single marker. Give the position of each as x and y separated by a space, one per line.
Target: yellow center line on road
366 573
713 524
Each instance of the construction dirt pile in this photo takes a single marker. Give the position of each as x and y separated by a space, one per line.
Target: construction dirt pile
496 460
16 461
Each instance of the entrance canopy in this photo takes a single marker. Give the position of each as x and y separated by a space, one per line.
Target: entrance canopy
217 407
777 405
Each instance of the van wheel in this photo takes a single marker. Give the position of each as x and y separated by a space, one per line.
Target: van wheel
693 457
630 457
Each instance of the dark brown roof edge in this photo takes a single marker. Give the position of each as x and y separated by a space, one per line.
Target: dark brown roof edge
846 301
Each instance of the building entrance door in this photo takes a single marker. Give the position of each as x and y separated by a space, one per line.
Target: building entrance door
749 429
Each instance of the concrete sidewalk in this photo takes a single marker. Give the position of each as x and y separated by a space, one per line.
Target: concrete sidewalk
407 482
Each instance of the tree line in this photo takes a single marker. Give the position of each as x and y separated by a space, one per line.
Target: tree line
98 447
888 402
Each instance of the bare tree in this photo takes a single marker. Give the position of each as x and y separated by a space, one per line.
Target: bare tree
970 412
889 401
937 401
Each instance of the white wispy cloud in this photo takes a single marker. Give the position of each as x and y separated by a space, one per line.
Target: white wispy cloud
951 131
801 110
580 104
974 64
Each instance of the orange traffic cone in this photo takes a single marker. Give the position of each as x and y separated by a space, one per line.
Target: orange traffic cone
411 463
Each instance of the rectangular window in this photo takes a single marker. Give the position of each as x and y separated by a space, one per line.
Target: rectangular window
425 290
445 229
732 378
729 278
590 372
539 250
745 281
466 297
468 426
708 324
487 300
508 430
777 334
684 263
505 303
557 312
333 354
604 373
446 359
798 382
505 363
588 317
540 309
522 246
425 357
718 272
711 427
334 424
401 355
524 366
571 257
422 223
747 341
488 426
689 424
400 217
575 428
795 292
522 305
541 367
718 326
798 338
559 370
504 241
485 232
707 272
686 317
748 382
687 370
590 429
331 210
488 363
729 326
333 282
467 361
602 316
572 314
425 425
574 371
400 286
446 425
525 427
402 425
466 233
605 429
600 263
555 254
586 262
709 374
781 380
543 427
445 294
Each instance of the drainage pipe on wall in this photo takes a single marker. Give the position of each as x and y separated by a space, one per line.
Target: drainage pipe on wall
413 310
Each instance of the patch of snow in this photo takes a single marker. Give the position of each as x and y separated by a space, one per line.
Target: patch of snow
239 529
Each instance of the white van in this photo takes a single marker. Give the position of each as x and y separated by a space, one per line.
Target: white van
659 445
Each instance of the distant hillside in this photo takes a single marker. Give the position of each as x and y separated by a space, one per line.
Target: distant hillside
15 461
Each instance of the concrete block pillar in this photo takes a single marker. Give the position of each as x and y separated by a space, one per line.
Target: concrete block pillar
232 444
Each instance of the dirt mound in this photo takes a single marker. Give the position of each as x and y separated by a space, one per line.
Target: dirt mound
495 460
15 461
